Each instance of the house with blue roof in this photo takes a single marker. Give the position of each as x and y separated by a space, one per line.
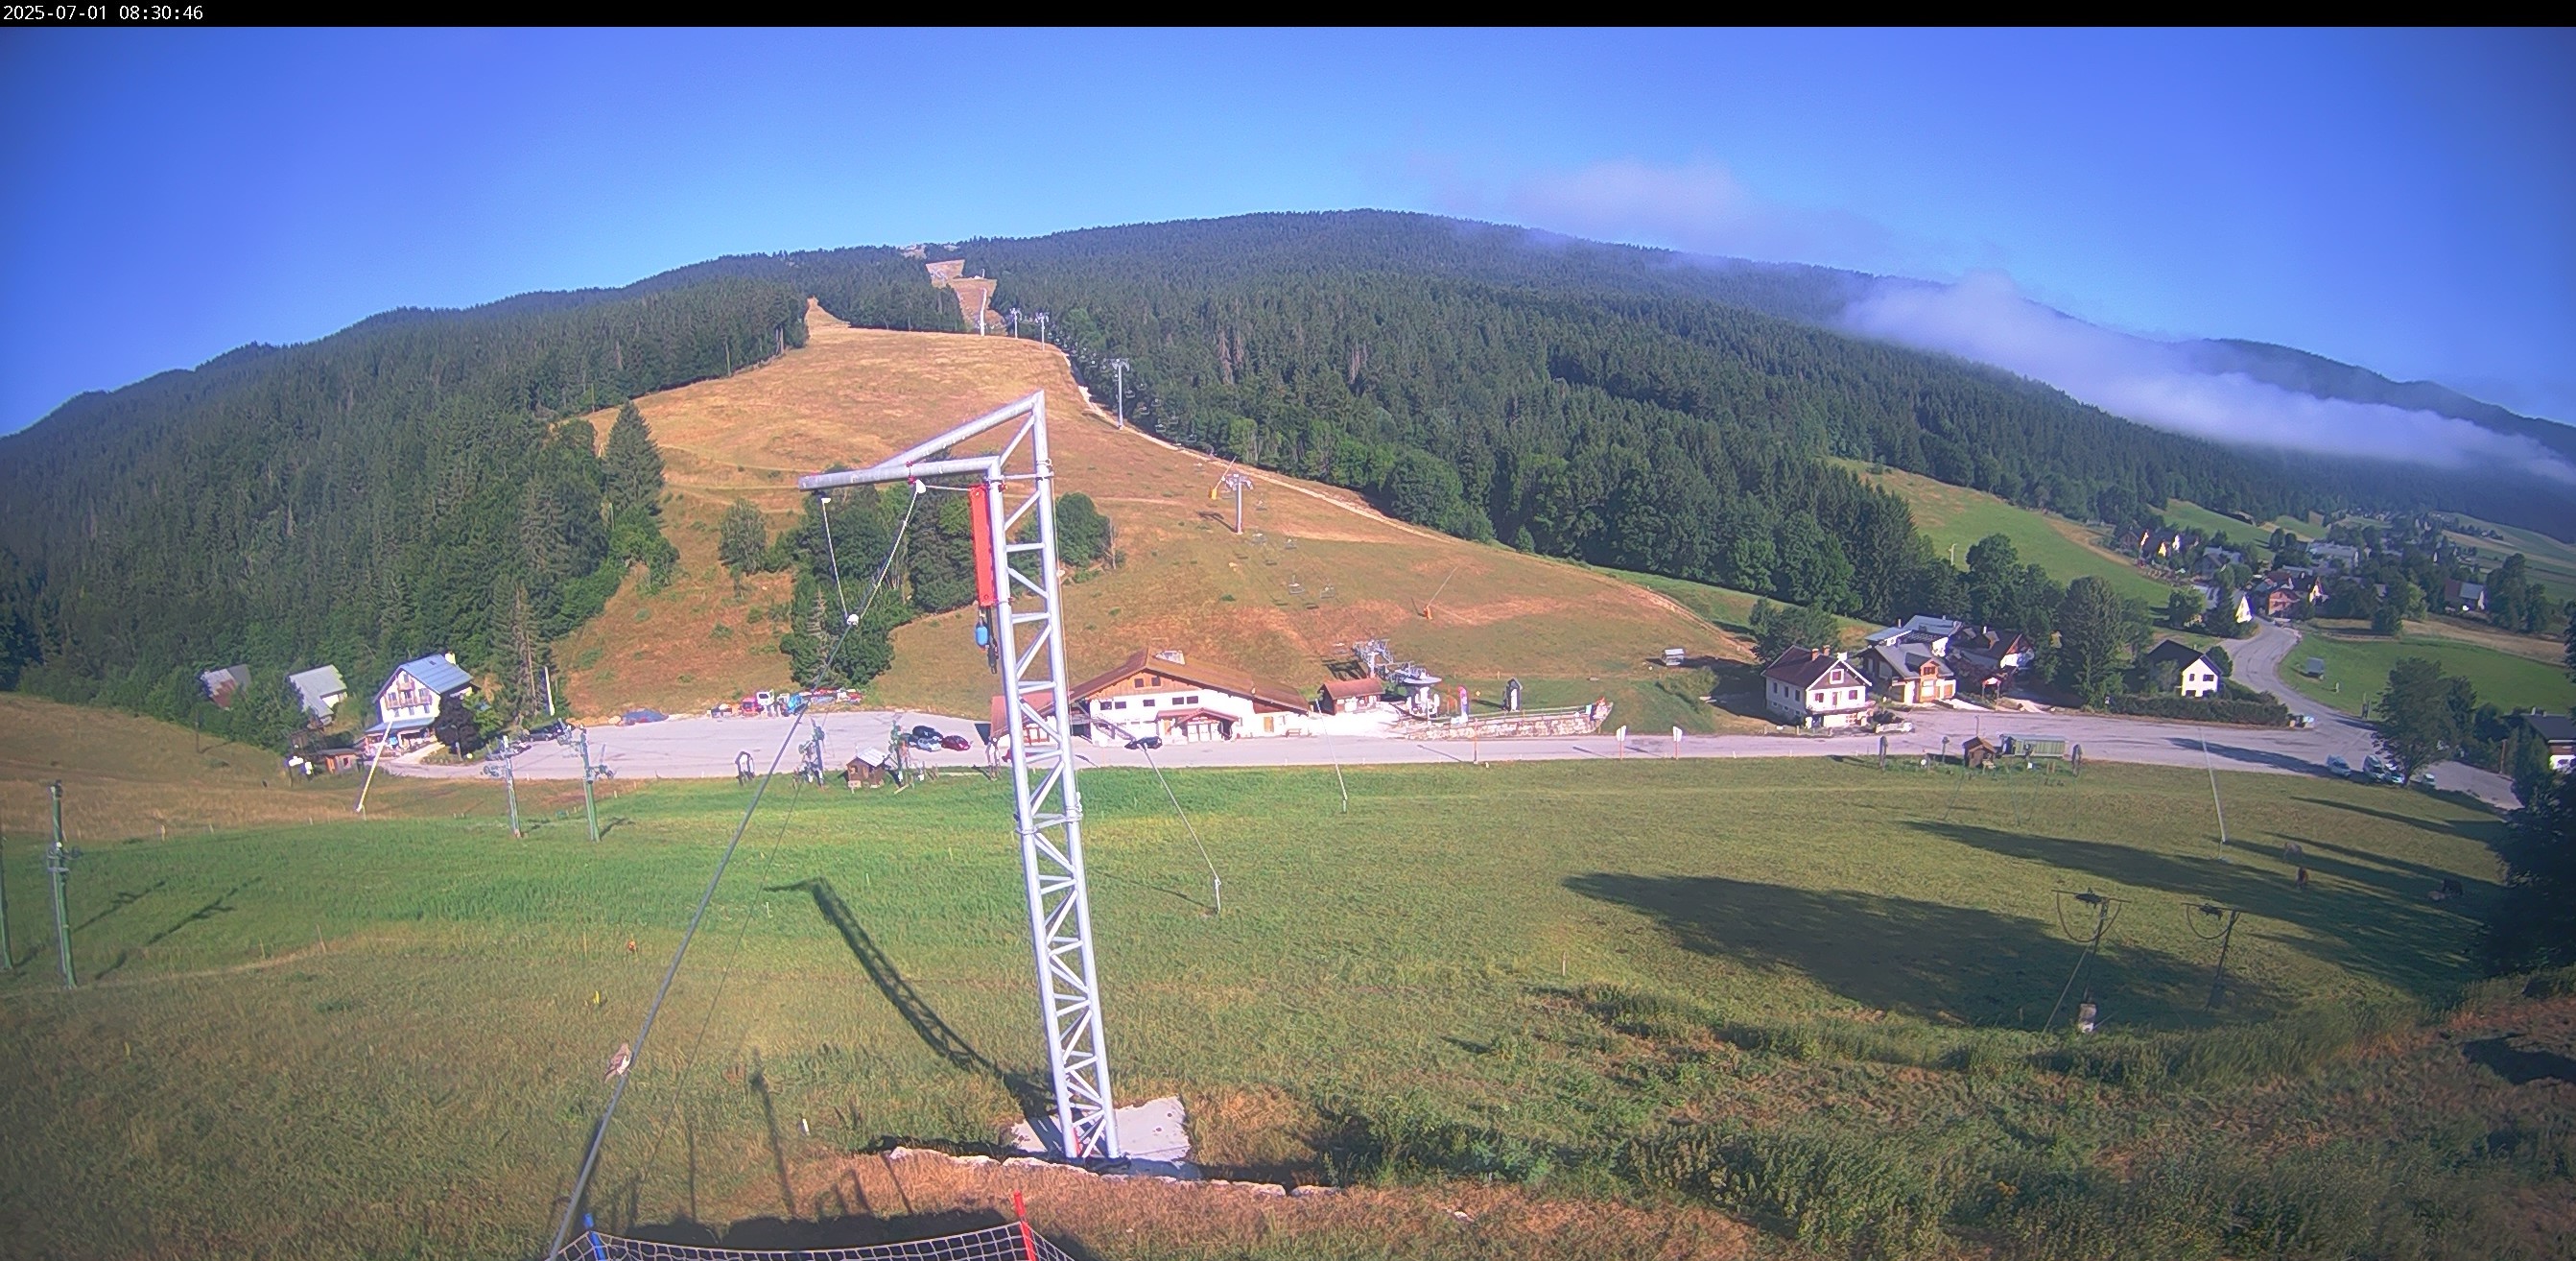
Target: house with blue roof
408 702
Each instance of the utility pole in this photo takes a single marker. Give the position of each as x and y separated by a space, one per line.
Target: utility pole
1118 367
57 862
589 806
510 780
1042 323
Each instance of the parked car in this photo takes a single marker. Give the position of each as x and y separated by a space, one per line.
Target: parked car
2336 766
749 707
764 698
634 717
916 740
2303 720
1146 742
956 744
924 731
551 731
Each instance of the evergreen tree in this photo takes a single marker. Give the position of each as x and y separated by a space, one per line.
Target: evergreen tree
2419 715
940 555
742 540
1082 535
2534 925
633 465
2181 609
1777 628
2221 619
2089 634
2568 615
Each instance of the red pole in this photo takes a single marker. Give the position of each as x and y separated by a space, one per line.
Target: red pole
977 498
1028 1237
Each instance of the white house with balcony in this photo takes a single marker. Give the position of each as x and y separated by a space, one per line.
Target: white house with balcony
408 702
1815 688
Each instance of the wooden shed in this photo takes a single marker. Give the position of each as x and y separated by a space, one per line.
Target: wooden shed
1980 753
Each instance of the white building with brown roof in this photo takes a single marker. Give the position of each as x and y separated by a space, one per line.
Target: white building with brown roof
1164 694
1815 688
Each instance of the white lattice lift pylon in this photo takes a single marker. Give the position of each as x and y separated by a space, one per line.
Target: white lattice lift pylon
1048 804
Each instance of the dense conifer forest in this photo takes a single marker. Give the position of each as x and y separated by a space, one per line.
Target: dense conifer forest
414 483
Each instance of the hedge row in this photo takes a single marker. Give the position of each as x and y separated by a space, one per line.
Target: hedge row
2265 711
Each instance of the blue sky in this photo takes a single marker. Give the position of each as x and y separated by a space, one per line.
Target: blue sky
2400 200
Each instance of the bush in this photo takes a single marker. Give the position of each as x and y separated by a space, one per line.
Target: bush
743 541
2266 711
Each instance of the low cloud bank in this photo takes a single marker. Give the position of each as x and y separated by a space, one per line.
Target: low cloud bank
1986 318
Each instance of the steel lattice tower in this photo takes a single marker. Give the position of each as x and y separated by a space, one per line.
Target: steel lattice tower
1017 486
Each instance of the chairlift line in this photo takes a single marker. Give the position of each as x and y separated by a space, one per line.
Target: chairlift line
599 1134
1047 803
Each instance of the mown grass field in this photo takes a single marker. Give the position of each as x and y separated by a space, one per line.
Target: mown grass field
1559 993
1955 518
2357 665
2551 561
1315 570
2253 540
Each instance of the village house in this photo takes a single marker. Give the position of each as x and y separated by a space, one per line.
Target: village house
1350 696
1164 694
320 688
408 702
1907 673
1990 659
2560 731
1931 634
2213 559
2463 597
2195 675
2333 557
222 685
2209 600
1815 688
2272 599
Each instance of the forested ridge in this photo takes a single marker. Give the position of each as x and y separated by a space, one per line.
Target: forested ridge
414 483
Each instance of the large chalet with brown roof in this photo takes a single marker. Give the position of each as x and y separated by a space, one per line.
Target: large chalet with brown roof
1165 694
1815 688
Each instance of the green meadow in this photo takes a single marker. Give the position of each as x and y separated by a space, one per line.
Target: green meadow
386 1038
2357 665
1955 518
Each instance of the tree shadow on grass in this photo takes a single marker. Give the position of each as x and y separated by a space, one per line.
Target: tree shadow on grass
945 1042
2357 916
1944 963
2251 757
2498 1055
2485 831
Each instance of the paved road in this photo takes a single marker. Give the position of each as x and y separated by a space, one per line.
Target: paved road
706 748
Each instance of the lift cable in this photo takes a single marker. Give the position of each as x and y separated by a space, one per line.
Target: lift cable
599 1135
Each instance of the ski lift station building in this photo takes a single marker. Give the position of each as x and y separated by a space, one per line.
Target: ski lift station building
1165 694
